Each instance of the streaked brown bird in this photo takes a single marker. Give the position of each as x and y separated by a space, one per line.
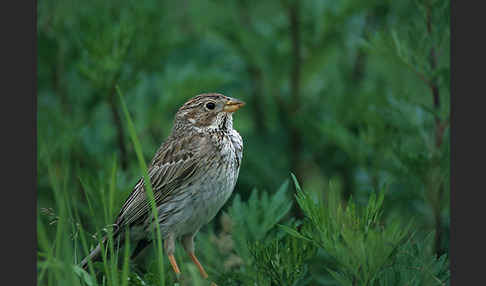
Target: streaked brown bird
193 174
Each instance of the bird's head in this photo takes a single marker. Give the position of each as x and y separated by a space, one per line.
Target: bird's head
208 111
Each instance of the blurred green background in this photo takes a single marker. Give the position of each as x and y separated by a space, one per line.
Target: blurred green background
356 92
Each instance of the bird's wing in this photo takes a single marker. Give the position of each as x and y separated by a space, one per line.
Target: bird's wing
175 163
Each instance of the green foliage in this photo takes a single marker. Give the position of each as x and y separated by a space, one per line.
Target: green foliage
352 92
414 264
255 218
365 251
281 261
254 236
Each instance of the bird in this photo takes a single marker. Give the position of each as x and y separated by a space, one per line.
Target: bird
193 174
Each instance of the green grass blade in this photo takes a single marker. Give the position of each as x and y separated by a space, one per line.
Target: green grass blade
147 183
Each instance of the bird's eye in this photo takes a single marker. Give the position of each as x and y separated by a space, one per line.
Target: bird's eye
210 105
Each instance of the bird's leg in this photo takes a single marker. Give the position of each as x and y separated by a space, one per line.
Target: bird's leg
199 266
169 245
188 243
173 263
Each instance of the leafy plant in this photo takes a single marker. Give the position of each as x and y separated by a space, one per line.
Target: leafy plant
282 261
415 264
254 219
354 237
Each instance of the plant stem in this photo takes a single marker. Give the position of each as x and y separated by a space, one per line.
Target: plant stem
439 134
119 127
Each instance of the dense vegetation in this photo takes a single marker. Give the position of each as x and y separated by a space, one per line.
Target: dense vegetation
345 174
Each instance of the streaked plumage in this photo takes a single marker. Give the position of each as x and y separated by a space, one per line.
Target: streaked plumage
193 174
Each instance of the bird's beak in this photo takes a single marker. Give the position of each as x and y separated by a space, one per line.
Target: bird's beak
233 104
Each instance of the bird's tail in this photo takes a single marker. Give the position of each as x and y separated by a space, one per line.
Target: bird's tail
95 255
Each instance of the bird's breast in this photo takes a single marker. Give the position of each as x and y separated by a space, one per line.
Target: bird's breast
204 198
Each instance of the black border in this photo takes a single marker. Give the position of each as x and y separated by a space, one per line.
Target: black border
467 144
19 142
